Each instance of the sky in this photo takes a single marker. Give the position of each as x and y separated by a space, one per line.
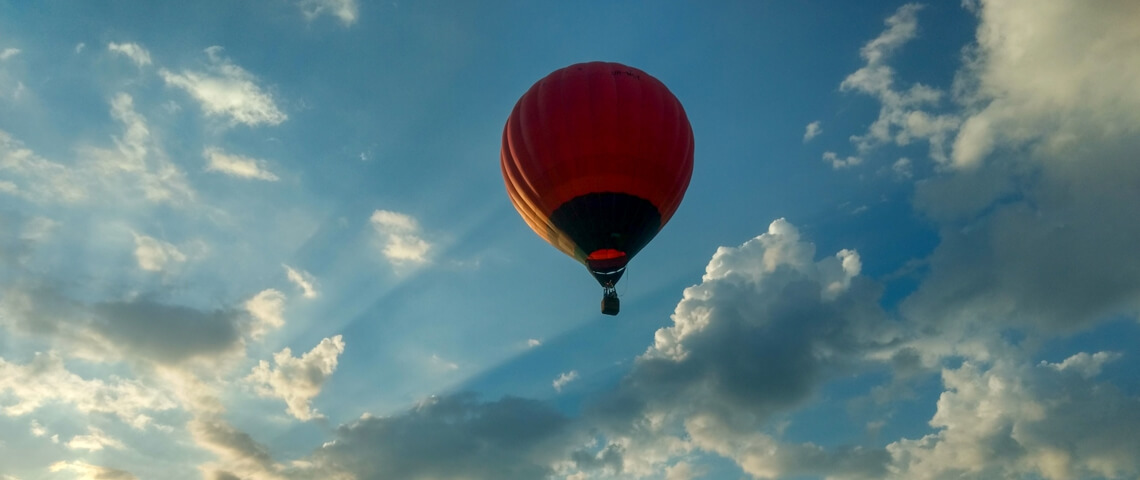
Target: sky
271 240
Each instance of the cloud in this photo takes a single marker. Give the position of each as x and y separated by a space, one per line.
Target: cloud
682 471
813 130
267 309
1032 230
533 342
227 90
767 325
167 334
8 53
1017 421
903 168
136 167
154 255
37 430
239 452
762 456
1026 203
45 381
901 117
138 162
87 471
440 363
563 379
451 437
39 180
138 328
302 280
1086 365
237 165
95 440
840 163
133 51
298 380
345 10
400 237
1049 77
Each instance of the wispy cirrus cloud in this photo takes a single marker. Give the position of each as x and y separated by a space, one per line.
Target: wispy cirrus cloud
133 51
303 280
238 166
226 90
346 11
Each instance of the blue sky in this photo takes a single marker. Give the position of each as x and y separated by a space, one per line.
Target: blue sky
270 240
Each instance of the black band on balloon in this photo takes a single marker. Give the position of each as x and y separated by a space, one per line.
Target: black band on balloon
608 220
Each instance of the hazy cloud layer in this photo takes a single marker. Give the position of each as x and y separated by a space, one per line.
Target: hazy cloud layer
87 471
45 381
136 167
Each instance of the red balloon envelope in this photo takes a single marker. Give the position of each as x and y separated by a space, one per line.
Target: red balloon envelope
596 158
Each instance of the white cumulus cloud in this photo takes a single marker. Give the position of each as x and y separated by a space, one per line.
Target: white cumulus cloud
298 380
838 163
400 237
8 53
812 130
1016 421
1084 364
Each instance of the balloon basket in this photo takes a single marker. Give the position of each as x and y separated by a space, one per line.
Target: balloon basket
610 303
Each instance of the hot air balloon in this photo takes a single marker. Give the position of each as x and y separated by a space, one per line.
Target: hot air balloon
596 158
